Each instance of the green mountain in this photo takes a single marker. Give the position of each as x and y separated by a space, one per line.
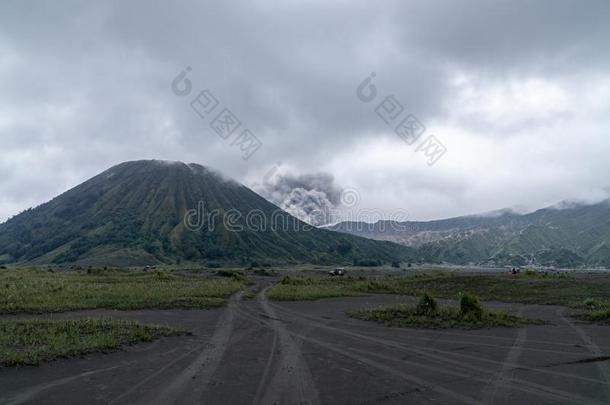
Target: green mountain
134 214
562 236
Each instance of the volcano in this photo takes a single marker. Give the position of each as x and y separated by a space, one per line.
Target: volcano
151 212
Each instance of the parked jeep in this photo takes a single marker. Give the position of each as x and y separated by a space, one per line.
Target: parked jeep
339 271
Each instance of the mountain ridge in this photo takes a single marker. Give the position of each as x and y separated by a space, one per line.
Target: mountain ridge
560 235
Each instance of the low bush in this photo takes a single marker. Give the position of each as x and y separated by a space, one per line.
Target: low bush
426 304
470 305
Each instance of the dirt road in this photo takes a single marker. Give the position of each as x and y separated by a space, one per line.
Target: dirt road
262 352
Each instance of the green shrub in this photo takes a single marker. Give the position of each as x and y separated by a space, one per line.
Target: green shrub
470 305
426 305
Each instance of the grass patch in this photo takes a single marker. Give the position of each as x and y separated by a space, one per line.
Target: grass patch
33 341
593 304
427 314
300 288
600 316
251 294
37 291
598 311
236 275
568 290
264 272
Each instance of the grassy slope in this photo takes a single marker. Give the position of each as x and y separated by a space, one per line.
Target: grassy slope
33 341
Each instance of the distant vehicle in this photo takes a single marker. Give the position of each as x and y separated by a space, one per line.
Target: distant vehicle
339 271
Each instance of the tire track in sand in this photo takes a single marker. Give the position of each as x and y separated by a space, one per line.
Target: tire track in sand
188 386
592 347
504 376
440 356
291 381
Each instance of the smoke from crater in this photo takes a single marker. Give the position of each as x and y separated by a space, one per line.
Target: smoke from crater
310 197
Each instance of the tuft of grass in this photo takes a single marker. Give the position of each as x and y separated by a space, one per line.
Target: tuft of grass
470 306
36 291
30 342
426 305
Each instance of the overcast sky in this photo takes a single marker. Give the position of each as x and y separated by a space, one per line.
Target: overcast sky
517 91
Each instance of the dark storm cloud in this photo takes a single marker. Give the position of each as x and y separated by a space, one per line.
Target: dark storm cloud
85 85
